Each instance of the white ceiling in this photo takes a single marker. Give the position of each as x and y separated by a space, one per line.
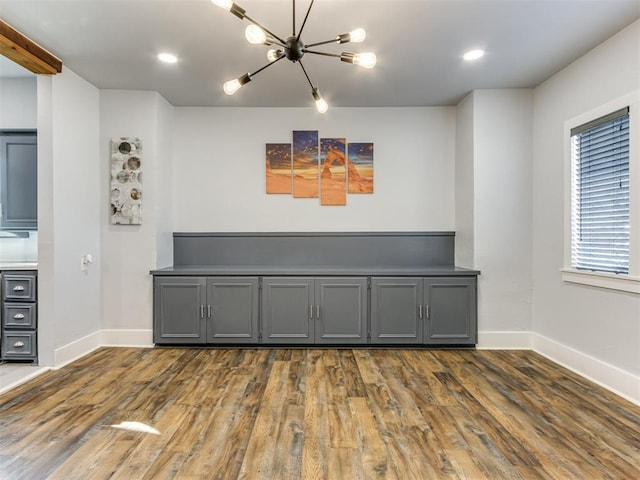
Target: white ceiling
419 44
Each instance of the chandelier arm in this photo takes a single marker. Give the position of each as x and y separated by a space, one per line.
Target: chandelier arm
306 75
333 40
275 42
266 66
323 53
264 28
305 20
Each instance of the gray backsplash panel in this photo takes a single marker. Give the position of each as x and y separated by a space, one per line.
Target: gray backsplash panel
381 249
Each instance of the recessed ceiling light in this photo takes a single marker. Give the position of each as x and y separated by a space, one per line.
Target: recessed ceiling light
167 58
473 55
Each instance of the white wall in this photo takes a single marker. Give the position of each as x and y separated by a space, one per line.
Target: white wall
503 208
464 178
219 169
129 252
595 331
18 103
68 210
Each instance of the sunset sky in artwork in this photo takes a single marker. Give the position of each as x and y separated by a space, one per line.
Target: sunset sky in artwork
279 155
328 144
305 148
361 153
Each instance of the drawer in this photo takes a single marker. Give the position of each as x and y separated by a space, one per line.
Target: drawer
17 345
19 287
20 316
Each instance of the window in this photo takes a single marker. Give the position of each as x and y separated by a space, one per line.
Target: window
600 194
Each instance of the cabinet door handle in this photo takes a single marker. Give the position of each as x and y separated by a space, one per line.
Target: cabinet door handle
19 316
419 311
18 288
310 312
208 311
427 312
201 311
18 344
318 312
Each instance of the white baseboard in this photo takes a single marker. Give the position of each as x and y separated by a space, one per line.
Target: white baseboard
516 340
73 351
608 376
102 338
127 338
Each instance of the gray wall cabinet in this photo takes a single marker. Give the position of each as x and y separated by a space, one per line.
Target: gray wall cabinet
198 310
436 310
18 181
305 310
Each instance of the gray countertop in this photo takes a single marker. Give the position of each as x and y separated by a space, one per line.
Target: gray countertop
18 265
270 270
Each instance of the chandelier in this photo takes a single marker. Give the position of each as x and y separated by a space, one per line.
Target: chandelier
293 48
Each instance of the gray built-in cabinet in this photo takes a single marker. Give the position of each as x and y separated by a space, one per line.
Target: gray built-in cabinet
19 326
369 288
438 310
199 310
314 310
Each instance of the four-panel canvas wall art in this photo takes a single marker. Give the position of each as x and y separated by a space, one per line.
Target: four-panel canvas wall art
324 168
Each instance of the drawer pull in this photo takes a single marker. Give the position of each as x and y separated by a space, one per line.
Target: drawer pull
18 288
18 344
19 316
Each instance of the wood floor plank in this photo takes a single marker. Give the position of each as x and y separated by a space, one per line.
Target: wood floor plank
263 414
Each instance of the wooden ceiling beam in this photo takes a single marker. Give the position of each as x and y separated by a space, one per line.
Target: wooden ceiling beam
26 52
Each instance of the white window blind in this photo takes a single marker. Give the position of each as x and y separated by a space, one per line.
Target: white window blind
600 194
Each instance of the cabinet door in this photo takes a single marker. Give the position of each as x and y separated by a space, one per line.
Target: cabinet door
179 310
450 310
232 310
395 308
19 181
340 310
286 310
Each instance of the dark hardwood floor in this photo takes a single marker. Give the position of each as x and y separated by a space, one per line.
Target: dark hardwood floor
315 414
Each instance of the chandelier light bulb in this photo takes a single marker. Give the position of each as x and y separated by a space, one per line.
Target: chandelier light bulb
226 4
321 104
366 60
255 35
358 35
273 54
232 86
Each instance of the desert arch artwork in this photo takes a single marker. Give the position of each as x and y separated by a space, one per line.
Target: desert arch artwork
333 175
325 168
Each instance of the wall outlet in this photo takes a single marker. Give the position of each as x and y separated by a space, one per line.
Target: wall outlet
85 261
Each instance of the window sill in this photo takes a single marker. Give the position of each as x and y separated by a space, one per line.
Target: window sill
625 283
